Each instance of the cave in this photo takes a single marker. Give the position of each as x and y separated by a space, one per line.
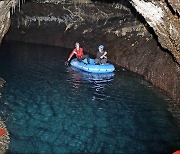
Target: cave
153 53
140 36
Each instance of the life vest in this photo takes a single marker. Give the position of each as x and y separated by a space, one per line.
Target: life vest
79 53
177 152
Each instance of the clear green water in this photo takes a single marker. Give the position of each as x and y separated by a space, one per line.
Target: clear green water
51 108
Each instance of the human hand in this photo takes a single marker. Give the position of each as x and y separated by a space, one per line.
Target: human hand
67 63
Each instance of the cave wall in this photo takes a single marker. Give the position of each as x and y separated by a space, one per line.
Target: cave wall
127 40
4 19
163 17
7 7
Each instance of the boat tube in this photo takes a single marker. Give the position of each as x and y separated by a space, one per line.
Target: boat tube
102 68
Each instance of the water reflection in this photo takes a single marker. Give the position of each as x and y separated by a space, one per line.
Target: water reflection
91 77
51 108
99 82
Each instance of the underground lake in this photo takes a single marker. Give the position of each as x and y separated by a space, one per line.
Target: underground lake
49 107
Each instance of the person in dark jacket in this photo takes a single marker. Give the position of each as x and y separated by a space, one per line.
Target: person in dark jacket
101 56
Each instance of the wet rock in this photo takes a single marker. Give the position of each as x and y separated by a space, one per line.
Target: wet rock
7 8
2 82
4 138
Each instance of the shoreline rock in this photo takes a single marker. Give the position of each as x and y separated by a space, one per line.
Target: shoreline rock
2 82
4 138
4 134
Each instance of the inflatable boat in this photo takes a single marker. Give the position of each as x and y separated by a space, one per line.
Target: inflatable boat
103 68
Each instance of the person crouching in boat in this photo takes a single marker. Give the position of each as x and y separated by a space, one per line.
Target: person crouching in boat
101 56
79 54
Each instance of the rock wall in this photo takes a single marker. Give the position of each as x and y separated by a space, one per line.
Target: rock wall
163 17
4 134
128 42
4 137
4 26
7 7
4 19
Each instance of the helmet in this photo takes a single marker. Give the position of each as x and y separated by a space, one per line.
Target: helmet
77 44
101 47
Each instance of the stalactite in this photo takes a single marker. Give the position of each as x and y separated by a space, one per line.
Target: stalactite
8 15
18 23
27 20
14 6
64 1
19 2
12 10
14 3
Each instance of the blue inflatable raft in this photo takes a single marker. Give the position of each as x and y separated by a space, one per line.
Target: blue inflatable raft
103 68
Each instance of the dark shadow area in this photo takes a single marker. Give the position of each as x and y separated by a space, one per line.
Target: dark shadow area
110 1
171 8
123 2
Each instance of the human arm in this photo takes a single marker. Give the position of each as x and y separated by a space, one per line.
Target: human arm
104 55
72 53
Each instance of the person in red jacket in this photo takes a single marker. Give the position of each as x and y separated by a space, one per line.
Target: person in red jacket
79 54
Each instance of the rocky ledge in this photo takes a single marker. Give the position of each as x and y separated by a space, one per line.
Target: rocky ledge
2 82
4 135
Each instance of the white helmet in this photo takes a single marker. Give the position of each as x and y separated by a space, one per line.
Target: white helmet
77 44
101 47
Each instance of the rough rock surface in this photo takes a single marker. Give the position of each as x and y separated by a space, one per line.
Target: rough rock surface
159 15
4 139
7 7
2 81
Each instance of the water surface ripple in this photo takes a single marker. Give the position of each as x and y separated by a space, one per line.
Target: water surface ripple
51 108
